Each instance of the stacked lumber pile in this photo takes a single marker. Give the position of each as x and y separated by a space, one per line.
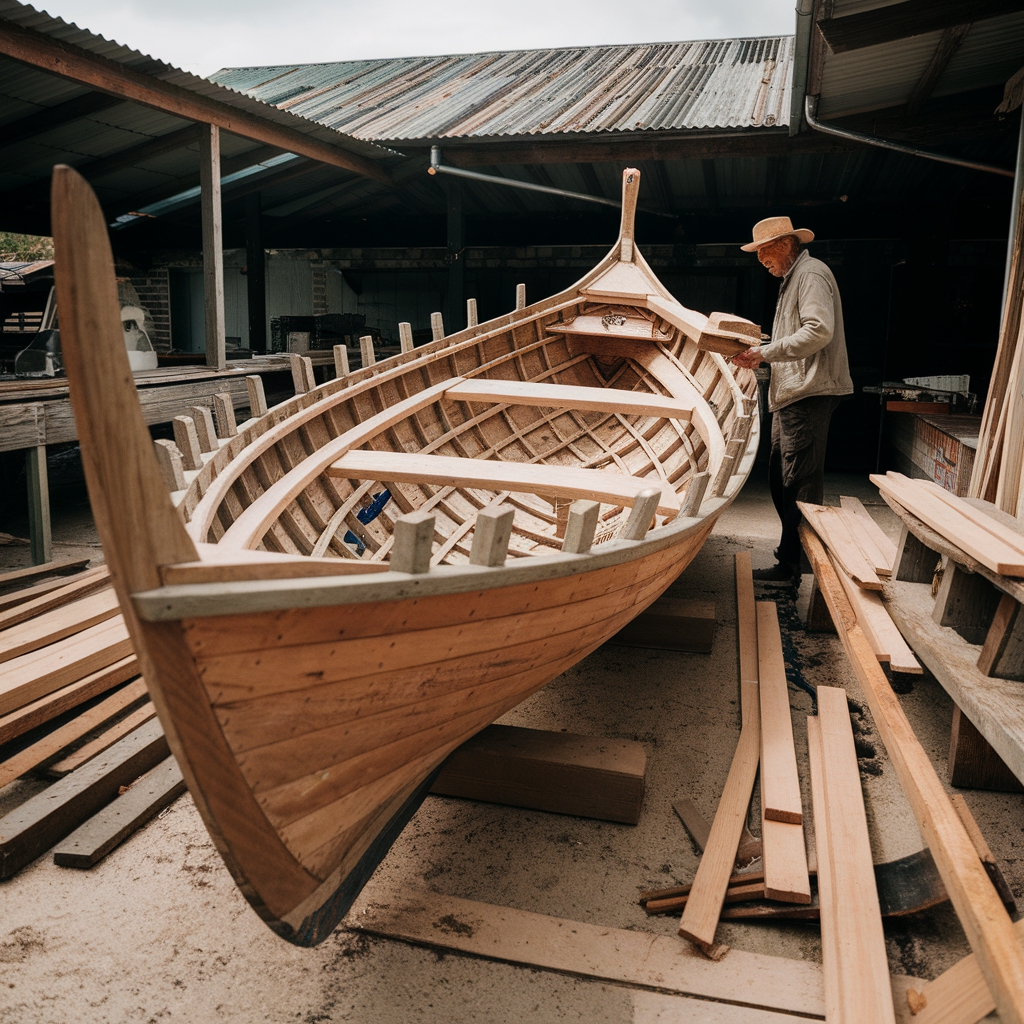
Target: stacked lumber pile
862 557
74 709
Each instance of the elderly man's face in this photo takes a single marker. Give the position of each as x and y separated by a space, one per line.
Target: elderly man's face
778 256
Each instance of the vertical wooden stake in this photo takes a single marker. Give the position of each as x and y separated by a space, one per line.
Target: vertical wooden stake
694 495
491 535
472 318
307 373
39 505
640 519
298 373
520 296
257 396
187 440
224 413
414 541
436 326
733 451
405 336
341 361
169 458
213 251
581 527
366 350
203 419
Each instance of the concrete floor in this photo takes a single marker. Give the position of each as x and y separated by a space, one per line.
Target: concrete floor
157 931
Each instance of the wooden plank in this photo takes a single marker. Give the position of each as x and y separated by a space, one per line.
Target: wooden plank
952 524
106 739
53 743
594 951
19 576
26 718
54 625
780 783
672 624
34 675
700 831
1002 654
37 824
492 474
43 596
830 524
973 763
562 773
915 562
865 995
103 832
746 619
568 396
38 505
886 640
886 548
866 542
984 919
700 918
984 851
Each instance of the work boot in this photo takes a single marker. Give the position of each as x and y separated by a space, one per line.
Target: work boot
780 572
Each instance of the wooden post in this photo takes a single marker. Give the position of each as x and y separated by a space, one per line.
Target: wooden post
366 350
255 273
299 382
405 336
733 451
224 414
520 296
38 505
414 540
472 318
187 440
436 327
640 519
973 764
257 396
581 527
456 260
341 361
694 495
966 601
213 252
1003 652
914 563
491 534
203 419
171 468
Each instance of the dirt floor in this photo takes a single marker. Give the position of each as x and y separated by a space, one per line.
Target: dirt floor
157 931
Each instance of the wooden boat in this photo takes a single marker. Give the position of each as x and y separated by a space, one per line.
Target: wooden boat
550 473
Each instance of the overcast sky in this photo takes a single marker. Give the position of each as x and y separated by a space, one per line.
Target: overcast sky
204 35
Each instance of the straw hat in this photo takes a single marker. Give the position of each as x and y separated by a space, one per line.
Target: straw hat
771 228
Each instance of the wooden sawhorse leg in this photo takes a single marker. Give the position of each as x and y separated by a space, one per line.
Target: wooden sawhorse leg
38 505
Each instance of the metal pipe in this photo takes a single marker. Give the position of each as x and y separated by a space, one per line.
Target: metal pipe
436 167
810 102
801 58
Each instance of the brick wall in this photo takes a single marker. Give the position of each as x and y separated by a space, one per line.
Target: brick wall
153 289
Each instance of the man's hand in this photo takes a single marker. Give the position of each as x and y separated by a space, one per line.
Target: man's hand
750 359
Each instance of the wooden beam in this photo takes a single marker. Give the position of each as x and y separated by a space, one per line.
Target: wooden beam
213 246
558 772
43 596
18 577
832 526
38 505
949 42
57 623
746 619
909 18
108 76
493 474
46 119
885 547
984 919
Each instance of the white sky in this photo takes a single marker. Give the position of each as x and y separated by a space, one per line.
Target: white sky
202 36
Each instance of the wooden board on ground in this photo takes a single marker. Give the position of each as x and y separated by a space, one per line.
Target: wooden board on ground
984 919
53 743
24 604
47 708
700 831
849 903
106 739
49 816
49 627
91 842
746 618
19 577
831 525
548 771
672 624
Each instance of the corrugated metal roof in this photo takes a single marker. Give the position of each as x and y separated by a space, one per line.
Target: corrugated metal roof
709 84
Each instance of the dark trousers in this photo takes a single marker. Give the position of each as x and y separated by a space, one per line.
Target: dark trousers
796 467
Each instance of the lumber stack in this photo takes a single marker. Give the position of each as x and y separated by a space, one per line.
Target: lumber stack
73 708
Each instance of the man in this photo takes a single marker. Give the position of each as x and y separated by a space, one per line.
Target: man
809 371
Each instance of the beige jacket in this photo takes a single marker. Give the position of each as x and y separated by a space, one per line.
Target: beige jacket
807 352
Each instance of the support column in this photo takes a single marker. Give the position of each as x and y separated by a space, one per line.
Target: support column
38 505
455 315
213 249
256 273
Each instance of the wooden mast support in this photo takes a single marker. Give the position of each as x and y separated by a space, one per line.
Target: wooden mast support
213 250
981 912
